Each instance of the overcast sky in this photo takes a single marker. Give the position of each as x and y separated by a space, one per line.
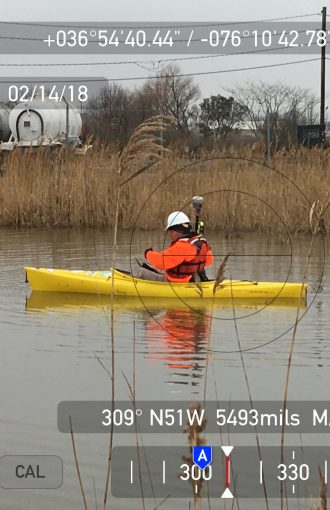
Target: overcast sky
303 75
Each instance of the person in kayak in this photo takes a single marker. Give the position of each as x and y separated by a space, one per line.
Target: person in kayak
187 255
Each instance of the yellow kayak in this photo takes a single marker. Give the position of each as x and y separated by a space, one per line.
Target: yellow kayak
124 284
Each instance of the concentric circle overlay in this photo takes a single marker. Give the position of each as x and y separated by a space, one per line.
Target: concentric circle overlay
292 184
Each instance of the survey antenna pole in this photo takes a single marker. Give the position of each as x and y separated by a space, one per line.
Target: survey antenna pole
197 203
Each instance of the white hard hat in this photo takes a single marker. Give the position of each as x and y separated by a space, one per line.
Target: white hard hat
177 218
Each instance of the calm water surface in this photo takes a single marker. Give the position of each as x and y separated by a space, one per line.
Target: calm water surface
60 349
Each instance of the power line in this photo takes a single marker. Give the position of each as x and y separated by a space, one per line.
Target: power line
174 25
179 75
222 71
63 64
159 61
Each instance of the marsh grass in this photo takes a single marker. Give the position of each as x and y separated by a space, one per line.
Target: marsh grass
241 194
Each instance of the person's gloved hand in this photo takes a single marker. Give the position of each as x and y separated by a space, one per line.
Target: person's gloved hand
146 251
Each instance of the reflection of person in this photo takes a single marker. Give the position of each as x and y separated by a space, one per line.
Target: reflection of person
188 253
178 336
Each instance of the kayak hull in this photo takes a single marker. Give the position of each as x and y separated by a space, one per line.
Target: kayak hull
123 284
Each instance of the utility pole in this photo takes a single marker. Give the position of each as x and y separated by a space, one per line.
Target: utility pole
323 58
268 138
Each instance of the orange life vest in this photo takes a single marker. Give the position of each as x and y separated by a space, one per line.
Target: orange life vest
196 264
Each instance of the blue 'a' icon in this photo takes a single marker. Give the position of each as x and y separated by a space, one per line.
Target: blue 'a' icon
202 456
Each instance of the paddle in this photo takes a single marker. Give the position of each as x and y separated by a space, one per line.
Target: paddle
148 266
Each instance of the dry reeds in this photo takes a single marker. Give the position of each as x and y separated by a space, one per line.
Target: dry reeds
241 194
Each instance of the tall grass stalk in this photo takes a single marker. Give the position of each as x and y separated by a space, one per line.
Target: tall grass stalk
95 495
323 492
209 357
143 143
193 431
249 391
111 434
82 490
289 364
132 395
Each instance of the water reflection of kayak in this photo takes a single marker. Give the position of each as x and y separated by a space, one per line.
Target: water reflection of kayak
124 284
47 300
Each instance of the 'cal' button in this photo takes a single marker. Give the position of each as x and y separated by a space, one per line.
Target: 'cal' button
31 472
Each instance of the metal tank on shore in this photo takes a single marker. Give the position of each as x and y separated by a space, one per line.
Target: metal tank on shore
44 122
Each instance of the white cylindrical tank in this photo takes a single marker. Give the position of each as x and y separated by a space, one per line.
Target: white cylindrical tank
4 123
47 120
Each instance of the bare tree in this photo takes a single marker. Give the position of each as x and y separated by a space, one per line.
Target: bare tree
285 105
171 94
145 103
108 115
